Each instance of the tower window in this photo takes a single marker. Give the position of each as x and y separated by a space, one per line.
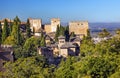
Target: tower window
81 23
61 41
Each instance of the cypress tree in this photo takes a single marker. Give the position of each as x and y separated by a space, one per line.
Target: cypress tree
42 40
10 26
28 30
57 33
16 30
5 31
61 30
104 33
88 35
72 34
67 33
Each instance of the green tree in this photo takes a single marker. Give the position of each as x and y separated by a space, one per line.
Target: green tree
24 68
28 30
115 75
104 33
72 34
31 45
10 40
117 31
16 31
20 52
42 41
67 33
11 24
57 33
87 45
88 35
66 69
5 31
110 46
16 37
62 31
95 67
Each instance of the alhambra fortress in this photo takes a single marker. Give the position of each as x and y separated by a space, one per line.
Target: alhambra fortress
61 48
78 27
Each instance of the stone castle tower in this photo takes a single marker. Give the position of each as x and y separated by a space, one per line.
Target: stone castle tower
35 25
54 23
79 28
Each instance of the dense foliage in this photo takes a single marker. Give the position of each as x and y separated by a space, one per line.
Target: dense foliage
28 30
5 31
64 31
96 60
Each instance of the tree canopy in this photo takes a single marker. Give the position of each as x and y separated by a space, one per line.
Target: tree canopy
5 31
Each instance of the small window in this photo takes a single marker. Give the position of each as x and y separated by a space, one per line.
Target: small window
81 23
61 41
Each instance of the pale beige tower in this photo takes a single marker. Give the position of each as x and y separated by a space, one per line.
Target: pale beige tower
35 25
54 23
79 27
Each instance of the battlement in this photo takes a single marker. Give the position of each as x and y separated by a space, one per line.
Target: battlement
55 19
79 23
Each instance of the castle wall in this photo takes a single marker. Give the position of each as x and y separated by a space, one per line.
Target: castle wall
47 28
54 23
35 25
64 52
79 27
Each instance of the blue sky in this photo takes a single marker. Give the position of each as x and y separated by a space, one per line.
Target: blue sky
66 10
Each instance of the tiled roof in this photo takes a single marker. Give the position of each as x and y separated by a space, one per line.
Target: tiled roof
61 37
47 37
5 55
68 45
52 45
75 39
6 48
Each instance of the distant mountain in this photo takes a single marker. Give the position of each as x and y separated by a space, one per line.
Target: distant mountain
95 28
108 26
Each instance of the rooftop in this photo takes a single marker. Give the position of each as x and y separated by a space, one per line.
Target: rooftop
6 48
52 45
75 39
61 37
68 45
